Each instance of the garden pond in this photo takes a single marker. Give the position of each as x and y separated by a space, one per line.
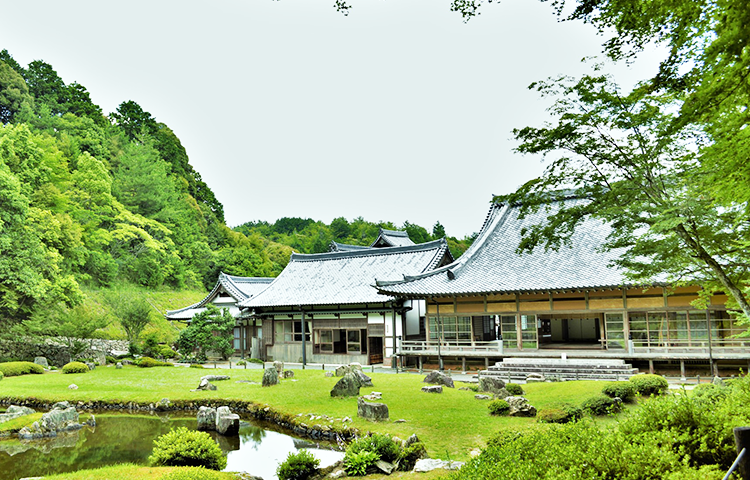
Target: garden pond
120 438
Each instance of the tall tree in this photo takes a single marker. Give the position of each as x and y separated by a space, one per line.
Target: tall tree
209 331
622 154
13 93
133 120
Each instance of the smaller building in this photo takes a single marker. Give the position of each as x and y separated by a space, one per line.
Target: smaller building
386 238
228 292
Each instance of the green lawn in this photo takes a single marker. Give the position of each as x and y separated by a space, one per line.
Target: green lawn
450 424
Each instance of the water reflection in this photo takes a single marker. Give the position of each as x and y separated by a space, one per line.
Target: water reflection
128 438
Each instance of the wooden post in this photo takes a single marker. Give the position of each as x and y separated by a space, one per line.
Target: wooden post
463 364
742 440
420 365
682 370
651 367
486 363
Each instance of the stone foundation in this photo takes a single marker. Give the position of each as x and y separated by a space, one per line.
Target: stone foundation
56 350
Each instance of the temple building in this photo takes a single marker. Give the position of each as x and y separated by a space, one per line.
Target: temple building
494 303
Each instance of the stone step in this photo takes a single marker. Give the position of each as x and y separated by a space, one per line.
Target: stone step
568 376
563 361
538 368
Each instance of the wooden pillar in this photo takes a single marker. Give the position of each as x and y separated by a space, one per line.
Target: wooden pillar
742 440
463 364
242 340
519 332
420 365
487 363
651 367
682 369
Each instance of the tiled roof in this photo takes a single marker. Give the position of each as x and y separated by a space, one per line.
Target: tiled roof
240 288
345 247
392 238
345 277
492 265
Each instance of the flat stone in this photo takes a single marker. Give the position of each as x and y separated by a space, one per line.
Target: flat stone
438 378
433 389
482 397
491 383
385 467
214 378
429 464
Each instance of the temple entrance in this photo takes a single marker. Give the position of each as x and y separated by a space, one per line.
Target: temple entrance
579 331
376 350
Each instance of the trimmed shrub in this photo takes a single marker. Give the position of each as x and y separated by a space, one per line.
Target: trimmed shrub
514 389
182 447
2 375
624 390
601 405
148 362
13 369
75 367
196 365
256 360
710 393
165 351
111 359
356 464
298 466
560 414
498 407
410 455
647 384
193 473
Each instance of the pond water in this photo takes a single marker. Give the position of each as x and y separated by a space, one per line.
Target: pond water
129 438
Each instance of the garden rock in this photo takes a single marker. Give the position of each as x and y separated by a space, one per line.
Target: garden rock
72 386
279 366
163 405
100 357
14 411
206 418
42 361
206 385
718 382
56 420
411 440
433 389
227 423
489 383
430 464
90 365
482 397
329 374
271 376
438 378
347 386
364 380
520 407
214 378
126 361
535 378
377 412
343 370
374 396
385 467
119 365
287 374
61 405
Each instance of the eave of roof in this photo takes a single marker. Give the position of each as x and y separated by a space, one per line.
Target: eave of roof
232 285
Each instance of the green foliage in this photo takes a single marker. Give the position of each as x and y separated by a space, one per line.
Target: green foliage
75 367
410 455
2 375
241 363
210 330
196 365
514 388
183 447
649 384
148 362
298 466
111 359
383 446
498 407
165 351
560 414
150 345
12 369
624 390
710 393
357 464
194 473
255 360
134 314
601 405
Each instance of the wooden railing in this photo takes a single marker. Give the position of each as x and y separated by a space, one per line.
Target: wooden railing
448 347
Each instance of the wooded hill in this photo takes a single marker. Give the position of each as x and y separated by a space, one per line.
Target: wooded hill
101 203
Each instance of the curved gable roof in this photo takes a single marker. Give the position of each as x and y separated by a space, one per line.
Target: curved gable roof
492 265
239 288
346 277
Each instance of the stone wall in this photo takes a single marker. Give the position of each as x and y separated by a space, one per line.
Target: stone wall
56 350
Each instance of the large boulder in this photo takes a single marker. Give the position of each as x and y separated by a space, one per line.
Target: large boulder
347 386
491 383
227 423
343 370
520 407
100 357
56 420
270 377
206 385
377 412
41 361
14 411
438 378
206 418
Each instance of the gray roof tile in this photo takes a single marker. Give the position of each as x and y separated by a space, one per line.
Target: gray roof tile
240 288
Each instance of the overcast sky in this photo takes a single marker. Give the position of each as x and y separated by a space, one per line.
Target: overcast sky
399 111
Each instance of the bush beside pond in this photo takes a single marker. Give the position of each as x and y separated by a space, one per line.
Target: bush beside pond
75 367
13 369
182 447
298 466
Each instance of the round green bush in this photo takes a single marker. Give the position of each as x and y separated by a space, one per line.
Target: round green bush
192 473
13 369
498 407
165 351
75 367
514 389
148 362
647 384
383 446
182 447
256 360
2 375
624 390
298 466
410 455
560 414
601 405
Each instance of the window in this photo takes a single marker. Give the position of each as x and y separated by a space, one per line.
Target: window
353 344
528 331
450 328
324 341
339 341
614 327
291 332
236 338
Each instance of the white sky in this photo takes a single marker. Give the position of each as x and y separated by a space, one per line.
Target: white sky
399 111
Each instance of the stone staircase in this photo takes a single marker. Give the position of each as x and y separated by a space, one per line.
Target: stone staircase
518 369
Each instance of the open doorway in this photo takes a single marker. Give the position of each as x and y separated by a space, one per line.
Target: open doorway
562 331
